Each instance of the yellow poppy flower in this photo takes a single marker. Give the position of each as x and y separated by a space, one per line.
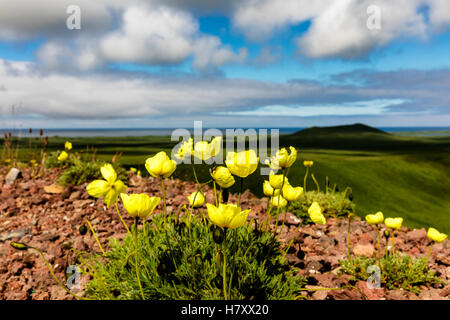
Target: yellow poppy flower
196 199
243 163
315 213
215 146
68 145
276 180
283 158
63 156
435 235
160 165
204 150
227 215
268 190
139 205
393 223
278 201
308 163
375 218
133 169
290 193
223 177
186 150
110 188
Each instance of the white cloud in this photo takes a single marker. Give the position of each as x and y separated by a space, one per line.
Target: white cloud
341 30
339 27
371 107
439 12
161 35
146 35
124 95
259 19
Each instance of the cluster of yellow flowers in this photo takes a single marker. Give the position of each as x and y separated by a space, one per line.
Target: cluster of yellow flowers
64 155
278 186
202 150
161 166
239 164
396 223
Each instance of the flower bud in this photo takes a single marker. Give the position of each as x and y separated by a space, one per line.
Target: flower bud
196 199
223 177
19 245
83 230
218 234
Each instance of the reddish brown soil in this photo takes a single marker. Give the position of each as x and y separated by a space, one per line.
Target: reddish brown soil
51 222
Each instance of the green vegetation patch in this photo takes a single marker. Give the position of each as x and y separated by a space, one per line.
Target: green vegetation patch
185 262
396 271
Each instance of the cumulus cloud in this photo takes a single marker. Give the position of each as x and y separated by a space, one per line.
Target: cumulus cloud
339 27
439 13
146 35
259 19
161 35
341 30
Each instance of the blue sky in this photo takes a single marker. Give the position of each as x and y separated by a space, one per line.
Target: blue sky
244 63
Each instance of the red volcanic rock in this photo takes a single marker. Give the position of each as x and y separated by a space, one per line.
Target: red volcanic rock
51 222
370 293
366 250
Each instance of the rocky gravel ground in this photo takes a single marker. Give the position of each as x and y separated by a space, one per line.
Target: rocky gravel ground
45 216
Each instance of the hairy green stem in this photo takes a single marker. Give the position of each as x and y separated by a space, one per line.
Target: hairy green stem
95 236
304 179
121 219
136 242
55 277
164 198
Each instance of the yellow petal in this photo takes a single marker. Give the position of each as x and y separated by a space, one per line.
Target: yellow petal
435 235
393 223
168 168
108 173
278 201
239 219
155 164
129 204
215 146
375 218
68 145
119 186
268 190
98 188
290 193
215 216
196 199
111 197
63 156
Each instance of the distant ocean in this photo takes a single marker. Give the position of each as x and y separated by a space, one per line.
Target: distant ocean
124 132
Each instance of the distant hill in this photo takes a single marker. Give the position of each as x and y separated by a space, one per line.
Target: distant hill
361 137
346 129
